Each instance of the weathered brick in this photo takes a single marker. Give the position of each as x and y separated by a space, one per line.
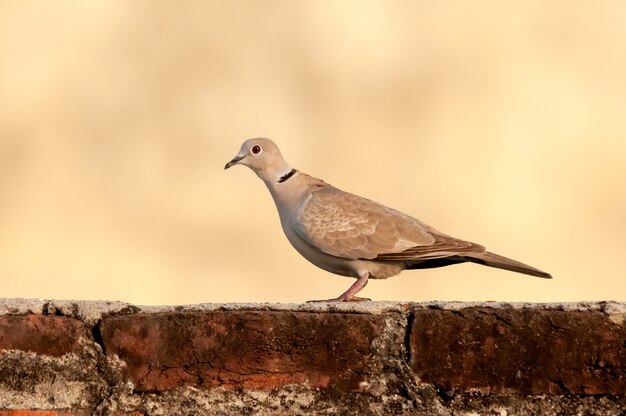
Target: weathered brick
519 351
48 335
243 349
76 412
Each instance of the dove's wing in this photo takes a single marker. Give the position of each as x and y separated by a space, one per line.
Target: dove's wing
352 227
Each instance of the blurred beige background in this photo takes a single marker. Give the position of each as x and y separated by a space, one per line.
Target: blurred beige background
499 122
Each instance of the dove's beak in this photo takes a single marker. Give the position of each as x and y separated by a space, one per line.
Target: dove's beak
233 162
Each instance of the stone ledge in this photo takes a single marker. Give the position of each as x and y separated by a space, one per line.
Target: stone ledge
439 358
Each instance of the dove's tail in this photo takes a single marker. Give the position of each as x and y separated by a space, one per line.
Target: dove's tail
494 260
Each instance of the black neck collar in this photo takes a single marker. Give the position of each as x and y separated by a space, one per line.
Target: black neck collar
287 176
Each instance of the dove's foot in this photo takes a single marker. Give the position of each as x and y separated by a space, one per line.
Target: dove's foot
341 299
348 295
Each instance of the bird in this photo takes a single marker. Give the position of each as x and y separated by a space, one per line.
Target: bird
353 236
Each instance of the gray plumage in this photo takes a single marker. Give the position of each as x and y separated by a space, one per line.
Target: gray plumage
353 236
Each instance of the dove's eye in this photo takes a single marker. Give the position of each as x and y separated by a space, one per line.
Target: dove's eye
256 149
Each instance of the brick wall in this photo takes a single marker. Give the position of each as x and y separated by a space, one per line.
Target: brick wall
81 358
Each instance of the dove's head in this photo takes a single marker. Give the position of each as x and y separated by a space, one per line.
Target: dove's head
263 157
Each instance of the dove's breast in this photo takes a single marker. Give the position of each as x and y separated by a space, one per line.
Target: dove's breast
338 265
343 267
293 196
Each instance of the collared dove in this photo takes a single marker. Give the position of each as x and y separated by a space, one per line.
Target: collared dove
353 236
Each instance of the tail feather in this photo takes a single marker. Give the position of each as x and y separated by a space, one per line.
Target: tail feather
495 260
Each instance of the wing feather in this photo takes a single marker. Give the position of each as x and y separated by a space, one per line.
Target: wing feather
352 227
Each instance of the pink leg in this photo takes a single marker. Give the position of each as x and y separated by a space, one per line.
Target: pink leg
348 295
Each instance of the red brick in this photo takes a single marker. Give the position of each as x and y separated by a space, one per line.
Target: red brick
519 351
77 412
243 349
48 335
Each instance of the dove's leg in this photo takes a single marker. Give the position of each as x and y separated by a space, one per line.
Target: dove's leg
348 295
